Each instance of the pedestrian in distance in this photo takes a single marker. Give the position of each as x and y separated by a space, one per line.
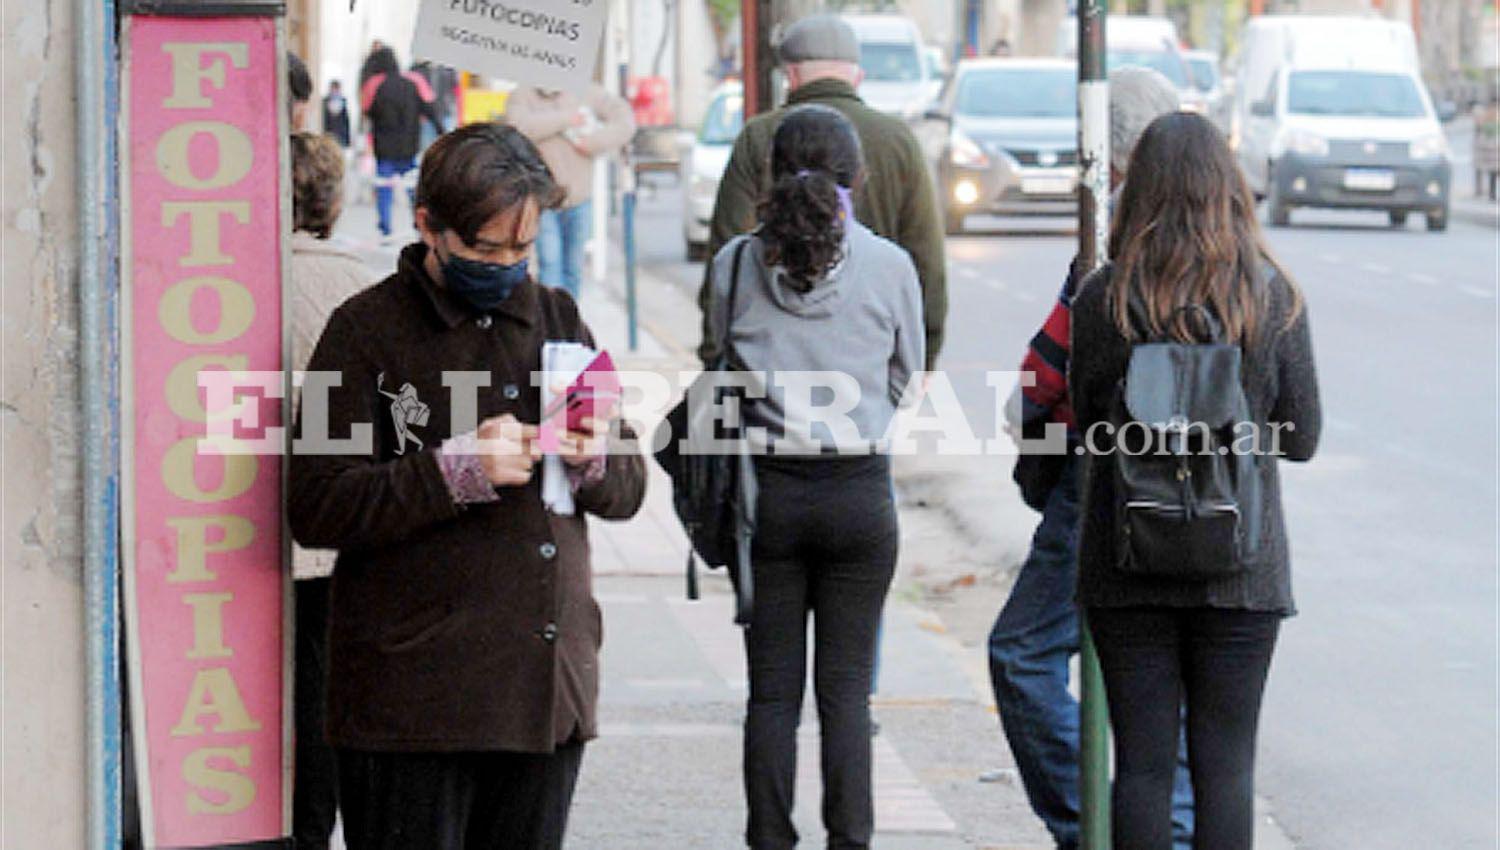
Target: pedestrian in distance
1184 569
395 104
336 114
321 276
896 200
571 131
464 636
812 289
1035 636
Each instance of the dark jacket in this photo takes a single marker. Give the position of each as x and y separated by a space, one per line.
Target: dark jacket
1281 386
336 118
897 201
452 628
395 105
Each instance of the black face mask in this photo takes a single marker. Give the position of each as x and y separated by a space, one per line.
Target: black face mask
484 286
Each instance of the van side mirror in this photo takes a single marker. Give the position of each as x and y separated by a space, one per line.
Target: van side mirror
1263 109
1447 110
936 113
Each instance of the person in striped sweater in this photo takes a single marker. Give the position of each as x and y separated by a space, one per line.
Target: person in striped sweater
1036 633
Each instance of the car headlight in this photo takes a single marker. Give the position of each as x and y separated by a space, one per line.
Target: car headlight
1304 142
1434 146
965 152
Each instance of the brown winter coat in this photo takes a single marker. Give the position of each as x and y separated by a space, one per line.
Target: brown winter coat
453 628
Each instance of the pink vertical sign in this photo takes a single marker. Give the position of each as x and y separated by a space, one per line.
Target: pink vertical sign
206 590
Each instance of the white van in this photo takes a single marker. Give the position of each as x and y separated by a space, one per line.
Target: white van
1333 113
898 77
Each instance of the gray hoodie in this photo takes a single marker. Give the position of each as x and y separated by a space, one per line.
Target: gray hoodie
862 322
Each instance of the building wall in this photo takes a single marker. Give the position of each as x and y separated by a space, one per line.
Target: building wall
42 673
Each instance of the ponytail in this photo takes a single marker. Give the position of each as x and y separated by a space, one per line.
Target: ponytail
802 225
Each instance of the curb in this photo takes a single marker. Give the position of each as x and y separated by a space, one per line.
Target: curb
1475 211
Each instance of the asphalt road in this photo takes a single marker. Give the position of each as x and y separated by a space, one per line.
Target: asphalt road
1379 729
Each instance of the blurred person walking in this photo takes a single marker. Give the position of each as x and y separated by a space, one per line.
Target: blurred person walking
571 132
812 289
464 635
336 114
1175 626
1035 636
322 276
820 55
394 104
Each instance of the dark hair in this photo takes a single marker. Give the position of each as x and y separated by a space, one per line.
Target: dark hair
479 171
814 152
1185 234
298 81
382 60
317 183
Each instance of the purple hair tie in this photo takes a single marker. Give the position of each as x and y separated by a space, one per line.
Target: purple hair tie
846 195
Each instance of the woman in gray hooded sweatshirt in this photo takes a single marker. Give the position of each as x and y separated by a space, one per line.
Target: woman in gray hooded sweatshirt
829 315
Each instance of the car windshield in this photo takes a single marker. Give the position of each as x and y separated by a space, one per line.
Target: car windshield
1170 64
890 62
1354 93
1205 75
726 115
1018 93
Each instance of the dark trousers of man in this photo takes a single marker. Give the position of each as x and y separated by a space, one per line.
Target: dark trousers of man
1033 640
1216 661
825 545
457 801
315 784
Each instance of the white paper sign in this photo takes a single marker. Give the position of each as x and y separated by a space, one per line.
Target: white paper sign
551 44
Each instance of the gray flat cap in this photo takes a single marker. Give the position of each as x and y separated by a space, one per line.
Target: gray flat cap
826 38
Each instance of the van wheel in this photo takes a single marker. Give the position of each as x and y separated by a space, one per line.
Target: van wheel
953 223
1280 211
1437 220
1398 218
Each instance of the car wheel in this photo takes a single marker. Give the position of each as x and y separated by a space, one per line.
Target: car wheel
953 223
1280 210
1398 218
696 252
1437 220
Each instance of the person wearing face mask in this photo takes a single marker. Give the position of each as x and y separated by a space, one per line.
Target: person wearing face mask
463 632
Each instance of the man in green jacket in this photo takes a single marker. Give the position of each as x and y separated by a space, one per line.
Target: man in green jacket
821 58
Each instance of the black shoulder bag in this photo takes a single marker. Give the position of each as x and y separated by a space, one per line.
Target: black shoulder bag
714 495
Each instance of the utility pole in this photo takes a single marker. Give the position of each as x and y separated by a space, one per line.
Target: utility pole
756 20
1093 250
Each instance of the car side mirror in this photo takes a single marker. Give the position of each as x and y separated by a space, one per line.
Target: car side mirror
1447 110
937 114
1263 109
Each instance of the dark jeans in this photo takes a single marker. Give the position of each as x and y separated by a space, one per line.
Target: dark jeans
1216 661
1031 644
825 544
389 174
315 783
457 801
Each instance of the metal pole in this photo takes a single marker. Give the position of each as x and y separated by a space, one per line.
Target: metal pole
756 20
627 215
95 104
1093 250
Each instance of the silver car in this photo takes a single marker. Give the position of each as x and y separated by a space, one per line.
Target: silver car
1012 145
703 167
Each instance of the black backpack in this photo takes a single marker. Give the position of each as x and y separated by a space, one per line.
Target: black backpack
1188 504
714 495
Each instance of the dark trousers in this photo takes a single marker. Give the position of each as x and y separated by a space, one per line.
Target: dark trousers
315 781
457 801
1216 661
1031 645
825 545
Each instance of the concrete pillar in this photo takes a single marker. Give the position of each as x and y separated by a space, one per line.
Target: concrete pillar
42 646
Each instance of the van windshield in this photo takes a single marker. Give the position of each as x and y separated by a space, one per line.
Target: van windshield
1354 93
1169 63
890 62
1018 93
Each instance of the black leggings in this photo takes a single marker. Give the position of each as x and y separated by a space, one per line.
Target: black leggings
1152 659
825 544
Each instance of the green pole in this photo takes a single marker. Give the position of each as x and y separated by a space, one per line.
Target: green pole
1093 249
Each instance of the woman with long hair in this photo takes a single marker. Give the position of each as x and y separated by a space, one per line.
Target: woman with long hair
814 291
1190 267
